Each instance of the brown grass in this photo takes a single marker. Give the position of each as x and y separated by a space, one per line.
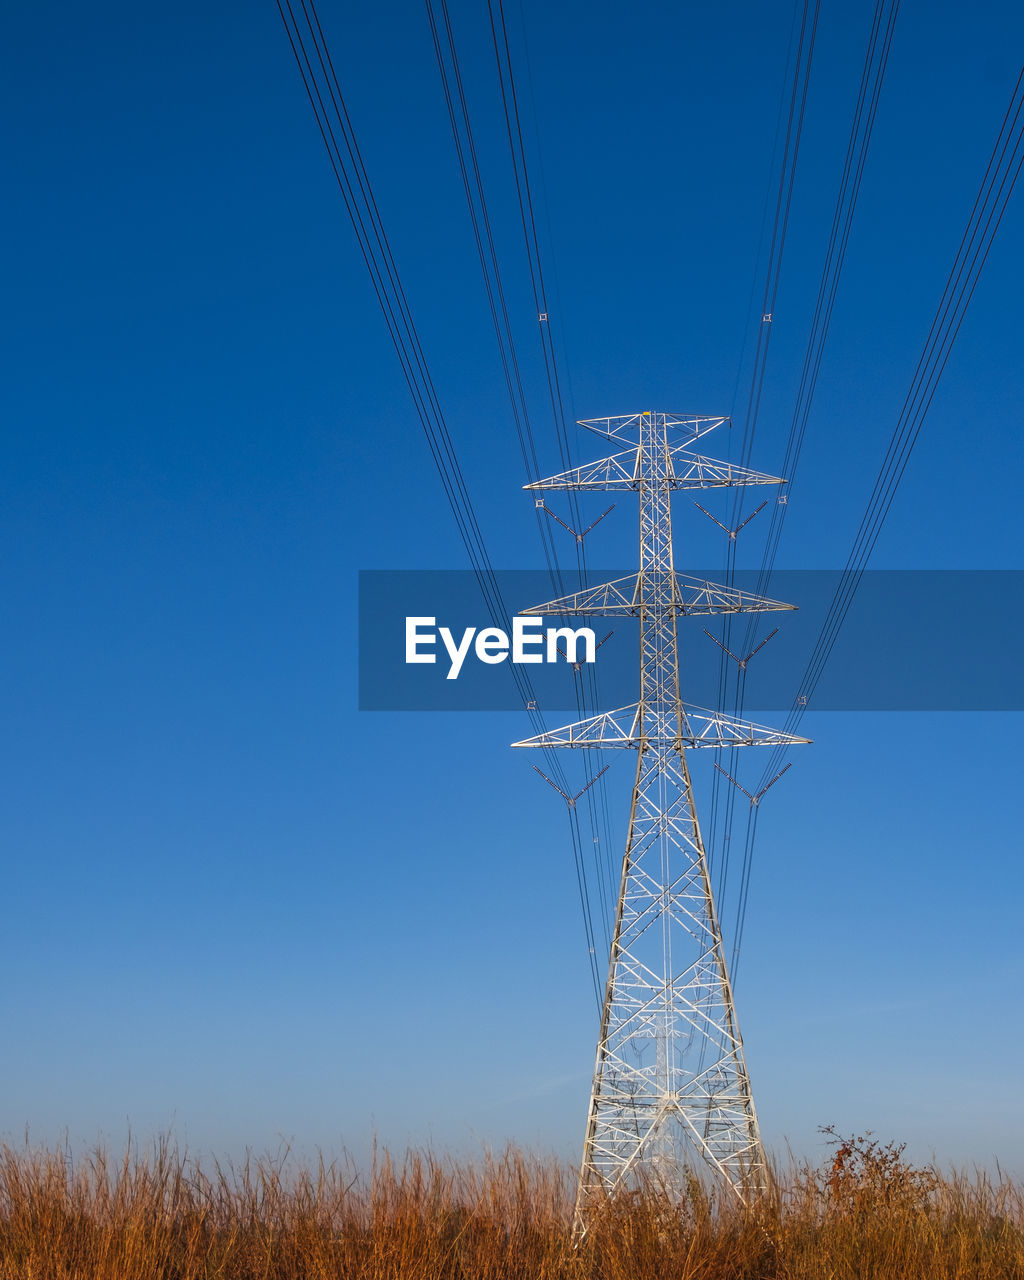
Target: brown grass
864 1213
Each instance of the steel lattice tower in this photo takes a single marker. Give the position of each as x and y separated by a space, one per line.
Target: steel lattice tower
670 1080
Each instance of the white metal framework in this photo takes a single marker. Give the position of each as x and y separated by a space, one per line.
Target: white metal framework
670 1080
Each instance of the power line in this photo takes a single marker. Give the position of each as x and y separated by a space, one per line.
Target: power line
597 803
514 130
997 186
802 64
987 212
780 225
872 77
320 80
466 151
865 109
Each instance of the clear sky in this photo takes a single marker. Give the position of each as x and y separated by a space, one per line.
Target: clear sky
236 906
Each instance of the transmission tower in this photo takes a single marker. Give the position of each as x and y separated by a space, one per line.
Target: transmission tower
670 1080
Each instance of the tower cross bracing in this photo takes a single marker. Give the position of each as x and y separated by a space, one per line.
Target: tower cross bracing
670 1087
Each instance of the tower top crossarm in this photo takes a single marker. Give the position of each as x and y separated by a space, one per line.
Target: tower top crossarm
685 427
660 453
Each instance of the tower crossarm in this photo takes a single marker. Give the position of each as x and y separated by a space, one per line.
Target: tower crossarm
625 597
681 470
627 426
635 727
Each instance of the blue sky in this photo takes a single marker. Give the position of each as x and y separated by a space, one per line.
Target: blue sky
236 905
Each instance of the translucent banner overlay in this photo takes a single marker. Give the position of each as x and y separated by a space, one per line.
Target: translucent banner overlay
913 640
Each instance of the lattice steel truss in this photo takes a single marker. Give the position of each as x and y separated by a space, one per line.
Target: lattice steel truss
670 1080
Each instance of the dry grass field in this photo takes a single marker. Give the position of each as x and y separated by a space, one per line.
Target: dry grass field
864 1213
